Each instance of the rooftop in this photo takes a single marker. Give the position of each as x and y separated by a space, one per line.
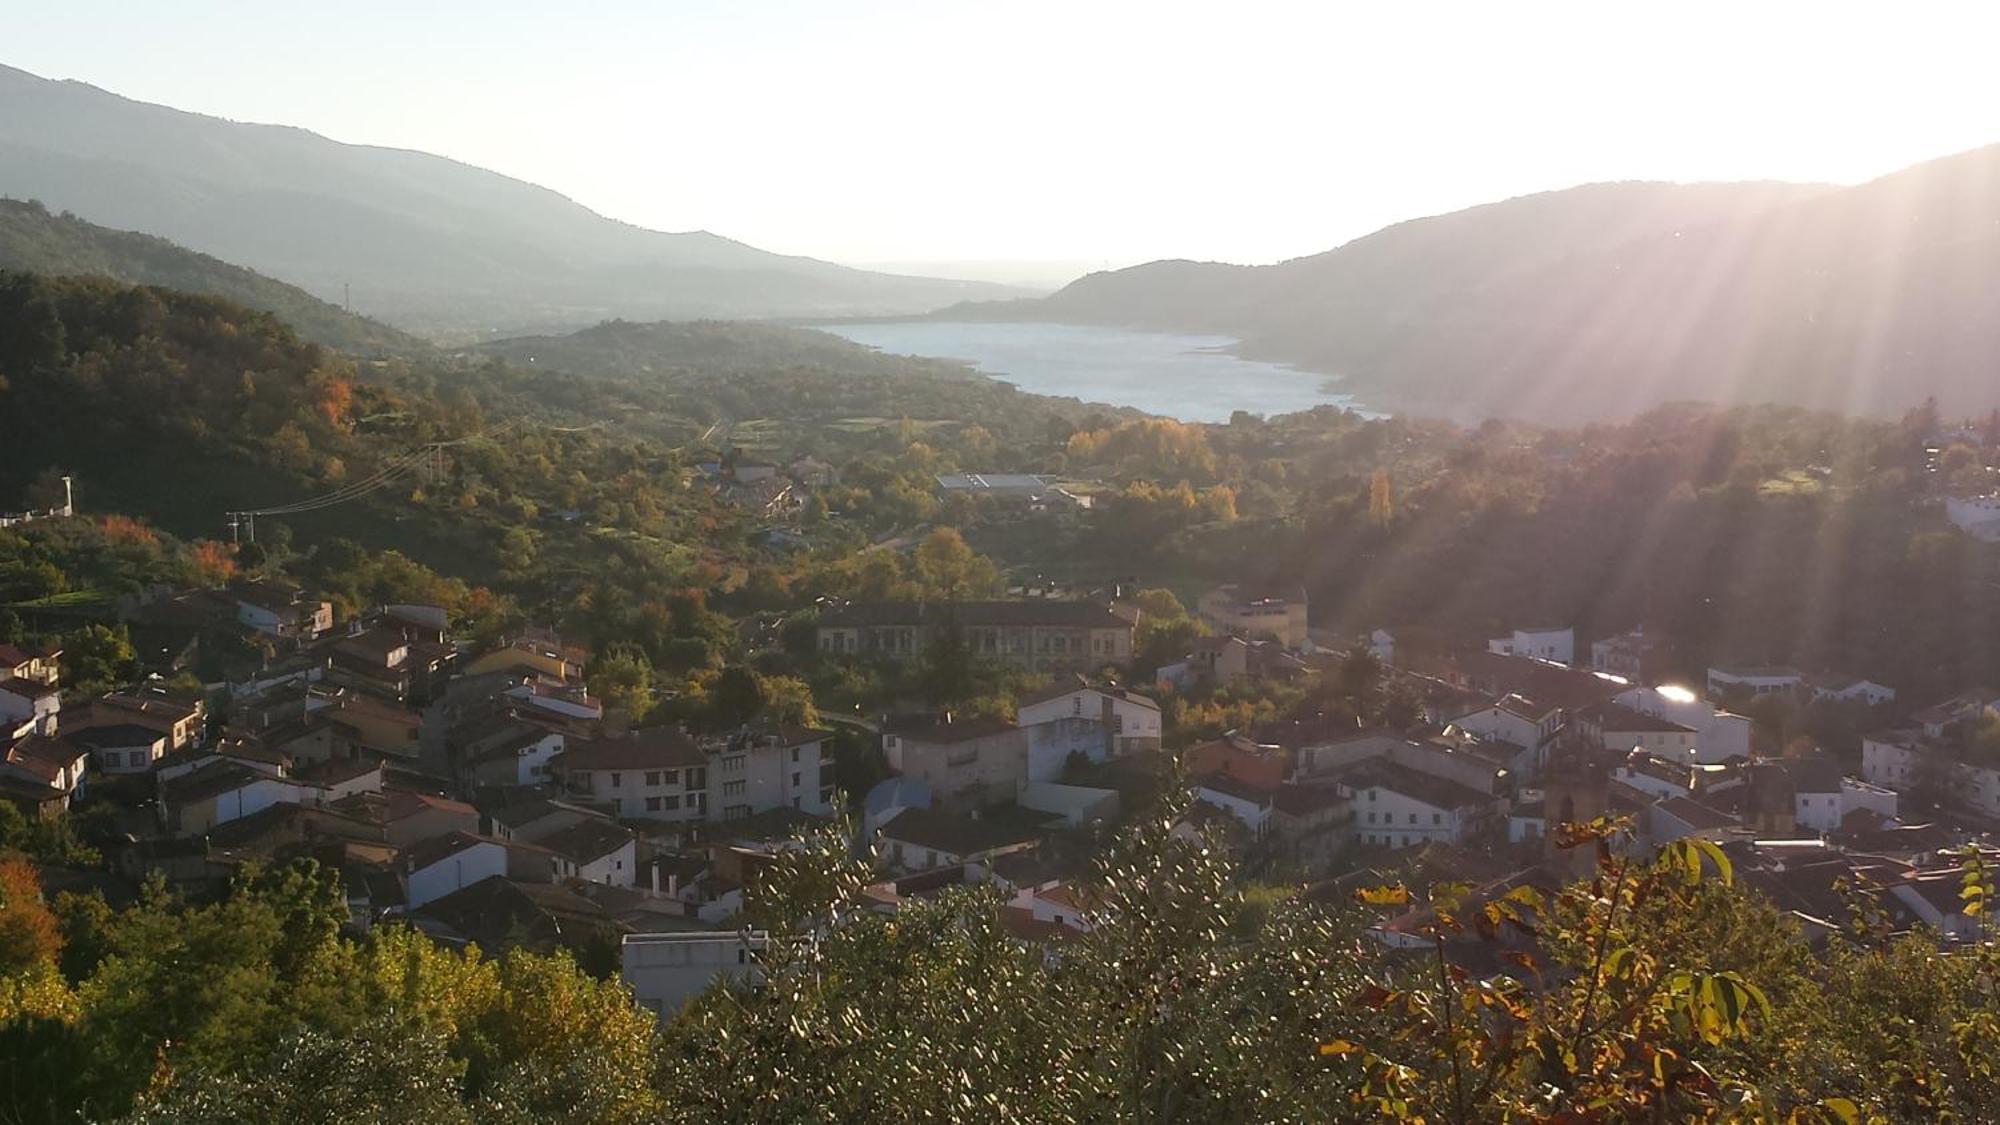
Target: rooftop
587 840
1696 815
115 734
1396 778
962 834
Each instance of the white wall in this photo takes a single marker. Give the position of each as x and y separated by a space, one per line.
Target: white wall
1398 821
665 970
456 872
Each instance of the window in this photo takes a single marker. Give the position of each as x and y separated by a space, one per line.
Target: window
1413 818
617 779
697 778
736 812
652 777
795 780
1076 705
1117 723
670 777
652 804
795 803
795 755
669 804
733 763
1371 818
1437 818
1371 794
732 788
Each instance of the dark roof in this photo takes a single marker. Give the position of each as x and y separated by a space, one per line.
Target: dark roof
496 910
925 728
423 853
651 748
1035 611
529 811
587 840
1618 717
1696 815
207 781
961 834
1231 787
115 734
378 642
1552 684
28 689
1400 779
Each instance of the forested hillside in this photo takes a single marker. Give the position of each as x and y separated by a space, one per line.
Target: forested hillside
34 241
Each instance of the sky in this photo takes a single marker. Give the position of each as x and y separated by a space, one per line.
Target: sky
1051 138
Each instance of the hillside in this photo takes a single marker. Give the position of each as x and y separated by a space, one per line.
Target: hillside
426 243
35 241
628 348
1600 301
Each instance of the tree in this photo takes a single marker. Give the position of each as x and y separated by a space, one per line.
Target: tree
622 678
97 658
1381 505
949 568
29 934
737 696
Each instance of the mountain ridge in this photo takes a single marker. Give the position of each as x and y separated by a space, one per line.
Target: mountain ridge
426 242
1602 300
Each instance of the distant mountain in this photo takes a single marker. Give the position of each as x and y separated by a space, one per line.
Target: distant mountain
427 244
1600 301
34 241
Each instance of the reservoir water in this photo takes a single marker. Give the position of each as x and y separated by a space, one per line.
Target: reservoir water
1189 377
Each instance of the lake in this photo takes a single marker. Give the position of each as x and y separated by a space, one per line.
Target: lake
1189 377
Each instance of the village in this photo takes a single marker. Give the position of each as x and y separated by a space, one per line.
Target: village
484 796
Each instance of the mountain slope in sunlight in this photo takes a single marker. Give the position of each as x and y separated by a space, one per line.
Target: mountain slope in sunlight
1602 300
426 243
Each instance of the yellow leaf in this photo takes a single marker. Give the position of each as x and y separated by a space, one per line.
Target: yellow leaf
1339 1047
1397 895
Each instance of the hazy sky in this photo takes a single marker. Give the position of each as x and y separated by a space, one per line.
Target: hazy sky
1075 131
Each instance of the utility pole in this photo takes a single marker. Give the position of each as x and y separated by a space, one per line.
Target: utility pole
346 298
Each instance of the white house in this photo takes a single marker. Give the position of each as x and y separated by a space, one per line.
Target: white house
1130 722
594 850
438 866
1719 735
1620 729
1398 807
28 703
1757 681
1514 719
122 747
1558 646
1054 904
1248 804
1852 689
517 755
1677 817
1905 761
665 970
